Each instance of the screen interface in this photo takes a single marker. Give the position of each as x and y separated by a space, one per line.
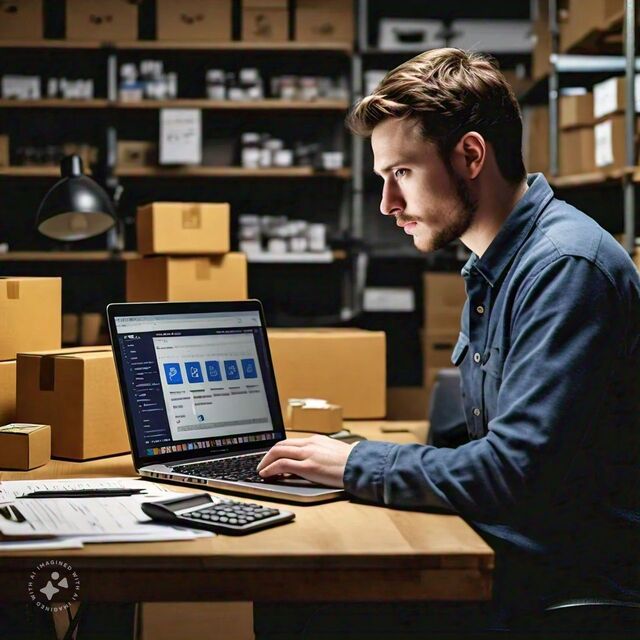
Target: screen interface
197 381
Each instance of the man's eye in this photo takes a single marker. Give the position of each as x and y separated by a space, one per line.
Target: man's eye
399 173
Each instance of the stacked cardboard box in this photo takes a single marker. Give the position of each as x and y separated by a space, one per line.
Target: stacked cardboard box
324 21
186 249
265 20
21 20
444 298
536 139
190 20
577 143
103 20
584 17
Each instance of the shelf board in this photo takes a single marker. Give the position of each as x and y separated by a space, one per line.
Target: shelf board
31 172
270 104
228 172
338 47
611 176
66 256
55 102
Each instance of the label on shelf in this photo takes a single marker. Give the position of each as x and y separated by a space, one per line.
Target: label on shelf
604 143
180 136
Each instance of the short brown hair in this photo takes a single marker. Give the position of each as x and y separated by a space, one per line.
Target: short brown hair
450 92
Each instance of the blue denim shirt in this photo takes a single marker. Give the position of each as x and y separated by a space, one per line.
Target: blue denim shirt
550 365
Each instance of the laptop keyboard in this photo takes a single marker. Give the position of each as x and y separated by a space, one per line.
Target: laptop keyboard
240 469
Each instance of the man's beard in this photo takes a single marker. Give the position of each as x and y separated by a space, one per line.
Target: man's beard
461 217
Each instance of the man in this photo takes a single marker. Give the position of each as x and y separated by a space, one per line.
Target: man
548 351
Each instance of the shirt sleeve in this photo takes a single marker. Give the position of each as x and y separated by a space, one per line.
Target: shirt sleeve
565 331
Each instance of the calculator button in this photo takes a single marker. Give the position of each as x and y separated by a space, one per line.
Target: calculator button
224 519
242 521
233 521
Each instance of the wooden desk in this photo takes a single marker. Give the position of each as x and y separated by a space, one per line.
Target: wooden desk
337 551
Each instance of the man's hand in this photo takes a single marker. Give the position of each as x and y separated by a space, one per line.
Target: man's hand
319 458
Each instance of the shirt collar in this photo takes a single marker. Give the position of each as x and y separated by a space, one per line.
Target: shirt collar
513 233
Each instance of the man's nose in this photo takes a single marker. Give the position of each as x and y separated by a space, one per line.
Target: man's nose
392 203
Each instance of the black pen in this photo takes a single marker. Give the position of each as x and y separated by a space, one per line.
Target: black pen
83 493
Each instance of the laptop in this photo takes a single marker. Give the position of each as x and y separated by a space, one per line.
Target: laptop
200 396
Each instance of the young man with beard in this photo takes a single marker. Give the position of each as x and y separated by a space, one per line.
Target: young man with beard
548 352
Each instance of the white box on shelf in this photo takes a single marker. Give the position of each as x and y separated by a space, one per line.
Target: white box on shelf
389 300
604 143
21 87
492 36
180 136
411 35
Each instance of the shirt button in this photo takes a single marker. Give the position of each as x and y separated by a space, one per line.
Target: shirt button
476 412
477 357
480 309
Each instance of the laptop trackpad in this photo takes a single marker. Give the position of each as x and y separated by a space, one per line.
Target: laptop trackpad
291 481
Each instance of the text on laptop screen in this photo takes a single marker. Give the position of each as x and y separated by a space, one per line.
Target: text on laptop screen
195 381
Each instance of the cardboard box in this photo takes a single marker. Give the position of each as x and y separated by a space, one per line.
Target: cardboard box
610 96
324 21
317 416
577 151
24 446
91 333
540 64
76 392
576 111
407 403
105 20
21 20
586 16
206 20
183 228
444 297
187 279
610 148
536 139
137 153
7 391
70 328
4 151
344 366
265 20
31 314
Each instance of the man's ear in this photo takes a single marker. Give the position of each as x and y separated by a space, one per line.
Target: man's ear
469 155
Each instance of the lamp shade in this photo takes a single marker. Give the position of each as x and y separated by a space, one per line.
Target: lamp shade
76 207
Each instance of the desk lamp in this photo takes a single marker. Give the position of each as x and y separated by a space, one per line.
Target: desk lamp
76 207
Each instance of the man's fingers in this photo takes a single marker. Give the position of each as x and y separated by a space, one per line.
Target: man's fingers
281 451
283 465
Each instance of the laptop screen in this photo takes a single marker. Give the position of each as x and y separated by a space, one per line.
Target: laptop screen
196 382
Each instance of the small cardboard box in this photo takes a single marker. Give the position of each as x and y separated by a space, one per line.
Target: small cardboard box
7 391
76 392
536 147
31 314
164 279
577 151
4 151
137 153
444 297
183 228
206 20
24 446
309 414
21 20
324 21
105 20
265 20
347 367
610 148
576 111
70 328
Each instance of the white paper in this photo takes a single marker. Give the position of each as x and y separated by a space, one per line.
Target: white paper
180 136
42 545
605 98
604 143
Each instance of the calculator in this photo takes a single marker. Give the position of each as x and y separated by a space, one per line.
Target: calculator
222 515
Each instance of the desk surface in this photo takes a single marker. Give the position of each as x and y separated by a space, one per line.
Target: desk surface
335 551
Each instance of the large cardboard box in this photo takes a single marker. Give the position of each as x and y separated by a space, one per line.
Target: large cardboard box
4 151
76 392
536 139
30 315
7 391
437 350
576 111
586 16
265 20
324 21
206 20
164 279
137 153
21 20
106 20
444 297
183 228
610 148
24 446
577 151
343 366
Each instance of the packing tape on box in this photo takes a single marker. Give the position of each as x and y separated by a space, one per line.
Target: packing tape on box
203 269
13 290
191 218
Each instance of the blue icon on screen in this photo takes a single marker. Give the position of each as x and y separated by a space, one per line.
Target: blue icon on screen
231 369
249 368
213 371
200 418
194 371
172 373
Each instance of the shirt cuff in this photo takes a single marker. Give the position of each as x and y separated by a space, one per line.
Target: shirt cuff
364 472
